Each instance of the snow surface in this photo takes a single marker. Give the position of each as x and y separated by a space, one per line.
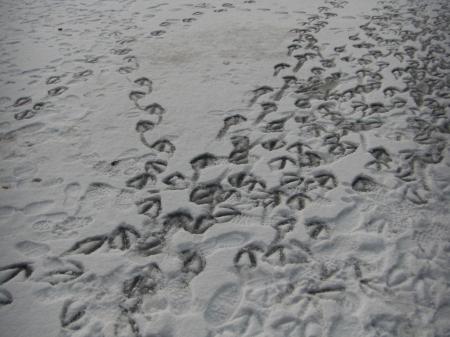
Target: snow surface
255 168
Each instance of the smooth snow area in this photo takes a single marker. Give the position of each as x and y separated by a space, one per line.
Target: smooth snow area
256 168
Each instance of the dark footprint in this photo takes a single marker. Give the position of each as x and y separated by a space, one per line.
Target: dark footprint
38 106
267 107
291 180
380 153
246 257
301 59
139 181
131 59
316 227
297 201
327 180
201 224
283 227
155 166
288 81
151 245
273 144
276 125
202 161
229 122
158 32
155 109
126 70
123 51
9 272
275 255
150 207
57 91
53 80
193 262
26 114
83 74
146 281
317 71
240 142
208 194
245 179
226 214
125 324
5 297
177 219
280 163
239 156
144 126
71 315
136 95
123 237
279 67
303 103
291 48
297 148
259 92
22 101
68 273
163 145
87 246
309 159
176 181
144 82
364 184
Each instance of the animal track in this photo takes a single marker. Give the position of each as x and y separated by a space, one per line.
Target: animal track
68 273
178 219
144 82
260 92
123 237
279 67
144 126
273 144
246 257
72 315
163 145
155 166
140 181
136 95
150 206
193 262
229 122
5 297
201 224
155 109
26 114
297 201
22 101
207 194
87 246
364 184
9 272
57 91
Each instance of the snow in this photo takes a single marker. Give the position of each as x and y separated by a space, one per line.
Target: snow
253 168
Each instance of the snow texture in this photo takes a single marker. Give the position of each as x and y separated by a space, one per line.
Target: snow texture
256 168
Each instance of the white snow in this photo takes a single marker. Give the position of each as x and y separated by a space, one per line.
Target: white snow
255 168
